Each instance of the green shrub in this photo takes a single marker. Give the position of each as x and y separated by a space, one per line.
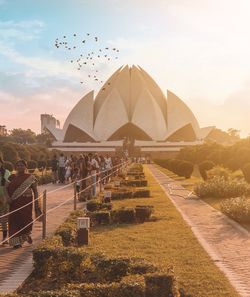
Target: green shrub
32 165
113 269
135 183
161 285
115 289
237 208
93 205
185 169
57 293
246 172
143 213
141 193
101 217
220 172
8 165
67 232
9 153
219 187
123 216
141 266
204 167
41 165
62 263
106 206
117 195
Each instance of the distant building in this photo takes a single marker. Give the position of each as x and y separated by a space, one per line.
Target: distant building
3 131
129 110
48 122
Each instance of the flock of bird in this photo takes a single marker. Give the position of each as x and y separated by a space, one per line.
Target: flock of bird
91 59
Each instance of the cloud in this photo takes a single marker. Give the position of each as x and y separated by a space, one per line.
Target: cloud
11 31
24 111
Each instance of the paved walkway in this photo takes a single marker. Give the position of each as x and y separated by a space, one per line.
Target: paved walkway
227 243
16 265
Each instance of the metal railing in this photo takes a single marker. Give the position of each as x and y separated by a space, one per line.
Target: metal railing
44 195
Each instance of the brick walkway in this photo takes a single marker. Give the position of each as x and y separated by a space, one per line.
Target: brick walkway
16 265
227 243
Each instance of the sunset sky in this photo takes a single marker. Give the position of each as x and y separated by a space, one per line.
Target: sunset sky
199 49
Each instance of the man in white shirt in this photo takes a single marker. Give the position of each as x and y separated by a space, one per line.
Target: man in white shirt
61 168
94 169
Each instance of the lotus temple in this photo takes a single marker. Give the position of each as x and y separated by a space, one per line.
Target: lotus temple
130 109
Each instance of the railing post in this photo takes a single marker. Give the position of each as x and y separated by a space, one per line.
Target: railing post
75 195
44 218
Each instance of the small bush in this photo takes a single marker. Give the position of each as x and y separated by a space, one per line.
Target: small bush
101 217
41 165
204 167
219 187
32 165
237 208
141 193
106 206
135 183
123 215
220 172
246 172
143 213
117 195
67 232
185 169
161 285
93 205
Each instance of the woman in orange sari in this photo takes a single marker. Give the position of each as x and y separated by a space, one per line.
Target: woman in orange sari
21 190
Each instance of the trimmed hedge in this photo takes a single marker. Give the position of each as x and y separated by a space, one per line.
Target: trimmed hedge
204 167
179 167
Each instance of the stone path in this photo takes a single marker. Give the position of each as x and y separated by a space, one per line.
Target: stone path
227 243
16 265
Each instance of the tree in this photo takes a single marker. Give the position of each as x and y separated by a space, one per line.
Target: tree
9 153
45 138
23 136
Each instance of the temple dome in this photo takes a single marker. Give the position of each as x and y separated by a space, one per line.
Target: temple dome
130 104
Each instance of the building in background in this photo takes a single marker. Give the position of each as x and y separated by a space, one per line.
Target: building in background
130 111
49 122
3 131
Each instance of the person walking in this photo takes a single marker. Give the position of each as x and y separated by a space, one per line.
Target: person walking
94 167
21 190
4 175
61 168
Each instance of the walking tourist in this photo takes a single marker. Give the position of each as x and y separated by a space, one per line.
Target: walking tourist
61 169
21 189
109 166
4 175
94 167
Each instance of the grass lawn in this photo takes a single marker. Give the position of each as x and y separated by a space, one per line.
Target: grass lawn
168 241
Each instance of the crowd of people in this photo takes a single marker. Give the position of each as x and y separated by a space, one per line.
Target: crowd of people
83 169
18 191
